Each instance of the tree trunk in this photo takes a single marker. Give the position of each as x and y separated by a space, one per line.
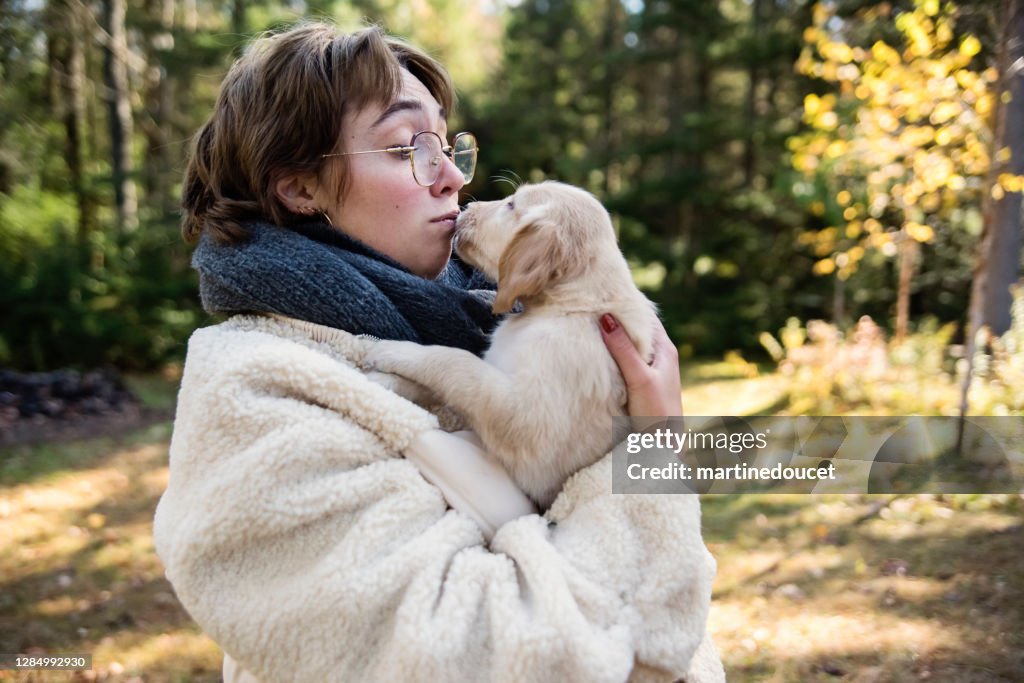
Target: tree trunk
120 115
908 250
696 162
678 221
67 64
609 42
74 119
839 302
997 264
158 108
238 25
753 82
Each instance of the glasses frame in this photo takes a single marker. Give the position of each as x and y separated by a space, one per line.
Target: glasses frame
410 149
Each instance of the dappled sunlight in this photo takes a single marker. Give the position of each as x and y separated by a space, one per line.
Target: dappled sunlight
82 575
895 585
79 490
106 510
919 590
907 529
176 654
154 480
809 634
834 509
886 587
44 555
813 563
732 574
134 554
35 510
56 607
789 630
734 396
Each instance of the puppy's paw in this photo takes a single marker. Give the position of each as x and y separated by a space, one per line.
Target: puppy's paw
389 356
484 296
407 389
386 380
361 346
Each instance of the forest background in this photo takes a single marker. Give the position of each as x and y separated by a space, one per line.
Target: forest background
765 160
823 198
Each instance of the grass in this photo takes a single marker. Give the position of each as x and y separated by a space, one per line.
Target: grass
78 566
856 587
928 589
809 588
79 573
731 387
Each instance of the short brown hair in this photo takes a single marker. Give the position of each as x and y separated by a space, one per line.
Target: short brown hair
280 108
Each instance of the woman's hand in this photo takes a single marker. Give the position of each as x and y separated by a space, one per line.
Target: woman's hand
653 390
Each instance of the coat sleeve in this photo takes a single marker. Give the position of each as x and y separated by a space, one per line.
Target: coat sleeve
309 550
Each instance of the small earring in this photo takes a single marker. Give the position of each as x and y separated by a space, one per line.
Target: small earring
327 218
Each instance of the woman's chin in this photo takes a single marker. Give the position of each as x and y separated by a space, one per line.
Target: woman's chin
430 270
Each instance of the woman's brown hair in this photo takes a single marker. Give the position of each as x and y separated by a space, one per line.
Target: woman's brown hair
280 108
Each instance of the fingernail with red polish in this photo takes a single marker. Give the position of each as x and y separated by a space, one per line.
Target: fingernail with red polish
608 323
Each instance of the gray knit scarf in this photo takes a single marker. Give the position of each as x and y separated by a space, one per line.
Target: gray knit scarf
316 273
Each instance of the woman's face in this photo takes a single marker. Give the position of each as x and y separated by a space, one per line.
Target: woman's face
384 207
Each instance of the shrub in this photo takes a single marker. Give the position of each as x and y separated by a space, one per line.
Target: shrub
861 372
128 302
998 375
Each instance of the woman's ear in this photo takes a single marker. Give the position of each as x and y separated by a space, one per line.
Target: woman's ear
297 192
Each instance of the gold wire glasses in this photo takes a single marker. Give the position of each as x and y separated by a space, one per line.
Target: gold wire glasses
426 152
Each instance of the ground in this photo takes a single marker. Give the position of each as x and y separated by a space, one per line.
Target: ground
809 588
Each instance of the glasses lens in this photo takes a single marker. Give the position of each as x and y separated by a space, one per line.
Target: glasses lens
427 158
464 154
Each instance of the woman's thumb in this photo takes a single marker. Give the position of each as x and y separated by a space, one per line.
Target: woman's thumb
631 365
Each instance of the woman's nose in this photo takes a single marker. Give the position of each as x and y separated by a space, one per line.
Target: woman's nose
450 180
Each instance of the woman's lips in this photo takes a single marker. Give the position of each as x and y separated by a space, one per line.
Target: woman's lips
448 219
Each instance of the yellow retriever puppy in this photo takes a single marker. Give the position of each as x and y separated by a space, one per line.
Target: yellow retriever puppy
543 397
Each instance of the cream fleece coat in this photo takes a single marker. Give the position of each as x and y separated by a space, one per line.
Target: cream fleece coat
309 549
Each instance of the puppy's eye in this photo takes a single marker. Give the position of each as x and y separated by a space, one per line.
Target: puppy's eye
510 205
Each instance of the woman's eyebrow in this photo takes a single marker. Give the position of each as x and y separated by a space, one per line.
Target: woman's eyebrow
400 106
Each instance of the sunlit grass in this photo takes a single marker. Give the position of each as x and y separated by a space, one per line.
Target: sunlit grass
731 386
80 574
184 654
925 587
809 588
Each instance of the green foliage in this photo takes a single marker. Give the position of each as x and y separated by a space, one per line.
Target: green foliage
675 114
129 302
33 219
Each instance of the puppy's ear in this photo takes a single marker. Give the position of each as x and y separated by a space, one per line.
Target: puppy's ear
521 267
537 256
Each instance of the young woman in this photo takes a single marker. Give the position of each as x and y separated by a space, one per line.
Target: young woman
297 528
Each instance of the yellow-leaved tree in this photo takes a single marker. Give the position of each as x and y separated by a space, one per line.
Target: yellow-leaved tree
902 143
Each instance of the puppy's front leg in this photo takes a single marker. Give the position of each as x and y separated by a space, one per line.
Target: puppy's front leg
404 387
464 382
